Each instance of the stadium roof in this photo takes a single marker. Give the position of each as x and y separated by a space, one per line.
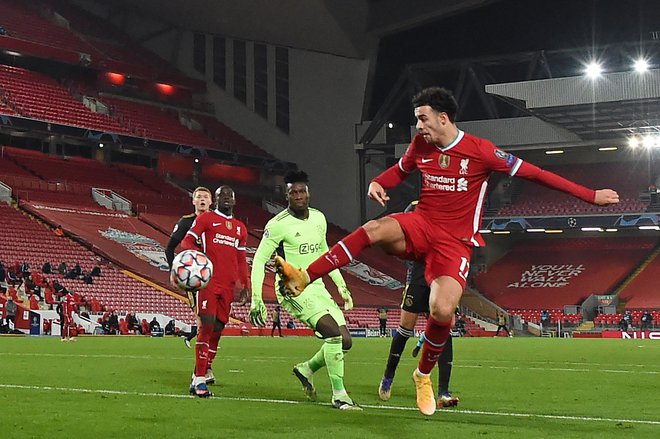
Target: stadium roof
348 28
612 106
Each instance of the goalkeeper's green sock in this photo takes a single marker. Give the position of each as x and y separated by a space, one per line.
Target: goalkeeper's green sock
334 360
318 360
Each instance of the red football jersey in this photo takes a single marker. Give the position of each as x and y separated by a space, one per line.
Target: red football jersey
455 178
68 306
223 240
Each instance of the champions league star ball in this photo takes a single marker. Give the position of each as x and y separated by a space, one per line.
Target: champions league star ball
191 270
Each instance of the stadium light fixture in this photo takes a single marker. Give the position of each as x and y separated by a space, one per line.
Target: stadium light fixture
633 142
117 79
607 148
641 65
101 145
165 89
196 160
554 151
390 125
648 141
593 70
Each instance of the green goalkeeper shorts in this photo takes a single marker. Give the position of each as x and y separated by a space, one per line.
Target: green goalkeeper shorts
312 304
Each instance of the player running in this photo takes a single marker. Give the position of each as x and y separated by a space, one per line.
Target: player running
223 239
441 232
298 234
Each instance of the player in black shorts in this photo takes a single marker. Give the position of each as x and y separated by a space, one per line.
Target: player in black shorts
415 301
202 199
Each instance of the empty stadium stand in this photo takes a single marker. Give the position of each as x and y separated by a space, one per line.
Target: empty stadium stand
37 96
153 122
550 273
643 292
23 22
537 200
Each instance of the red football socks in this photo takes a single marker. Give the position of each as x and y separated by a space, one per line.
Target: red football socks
340 254
202 350
213 347
435 336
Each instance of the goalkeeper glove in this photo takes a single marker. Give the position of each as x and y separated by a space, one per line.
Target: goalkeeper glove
346 296
258 312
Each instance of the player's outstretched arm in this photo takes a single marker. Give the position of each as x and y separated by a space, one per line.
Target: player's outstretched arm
377 193
606 197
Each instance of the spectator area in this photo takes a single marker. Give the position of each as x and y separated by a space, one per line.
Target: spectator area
23 239
643 291
537 200
550 273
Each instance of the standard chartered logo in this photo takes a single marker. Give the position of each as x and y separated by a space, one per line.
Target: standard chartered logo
461 185
448 184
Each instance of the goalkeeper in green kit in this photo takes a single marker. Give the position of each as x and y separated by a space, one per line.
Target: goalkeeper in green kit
298 235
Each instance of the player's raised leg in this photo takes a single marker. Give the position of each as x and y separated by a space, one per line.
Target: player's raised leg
384 232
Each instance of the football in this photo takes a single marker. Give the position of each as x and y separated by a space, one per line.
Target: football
191 270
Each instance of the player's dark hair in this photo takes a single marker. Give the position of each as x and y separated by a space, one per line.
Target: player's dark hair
296 177
438 98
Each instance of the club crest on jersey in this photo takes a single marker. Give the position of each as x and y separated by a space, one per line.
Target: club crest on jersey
443 161
464 166
228 224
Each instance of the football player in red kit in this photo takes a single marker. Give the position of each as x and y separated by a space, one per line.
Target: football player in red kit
444 228
223 239
69 329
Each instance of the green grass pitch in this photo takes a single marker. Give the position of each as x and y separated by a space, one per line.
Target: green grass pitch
138 387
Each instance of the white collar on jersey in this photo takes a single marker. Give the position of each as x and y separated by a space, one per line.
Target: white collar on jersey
223 215
459 137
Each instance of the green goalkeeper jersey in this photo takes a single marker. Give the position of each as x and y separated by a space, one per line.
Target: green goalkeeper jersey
298 241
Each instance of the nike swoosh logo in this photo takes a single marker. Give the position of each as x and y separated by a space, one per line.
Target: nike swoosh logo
216 224
426 160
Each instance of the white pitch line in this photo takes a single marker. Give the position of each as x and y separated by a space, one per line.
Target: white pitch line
271 359
285 401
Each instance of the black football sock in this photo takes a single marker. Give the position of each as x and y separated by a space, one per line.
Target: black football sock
396 349
445 363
